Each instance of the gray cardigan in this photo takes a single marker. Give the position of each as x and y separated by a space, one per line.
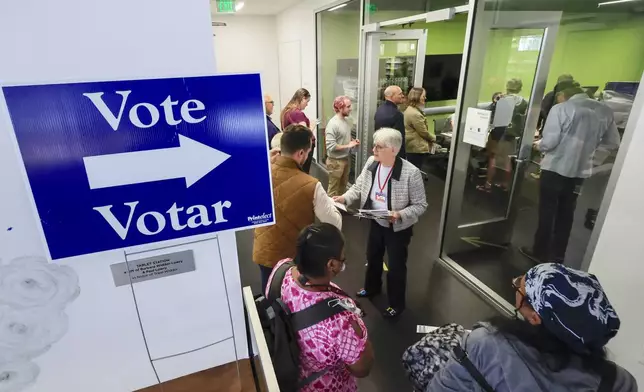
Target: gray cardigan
406 190
509 365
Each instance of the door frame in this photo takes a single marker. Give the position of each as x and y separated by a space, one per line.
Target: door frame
479 24
367 110
370 37
499 227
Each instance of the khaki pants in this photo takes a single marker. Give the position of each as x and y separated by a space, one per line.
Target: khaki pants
338 175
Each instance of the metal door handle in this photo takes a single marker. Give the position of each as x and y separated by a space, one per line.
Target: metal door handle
516 158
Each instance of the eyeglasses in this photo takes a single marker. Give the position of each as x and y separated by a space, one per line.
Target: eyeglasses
271 102
516 285
379 147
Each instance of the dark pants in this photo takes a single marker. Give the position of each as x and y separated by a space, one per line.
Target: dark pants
557 202
395 243
416 159
265 273
307 164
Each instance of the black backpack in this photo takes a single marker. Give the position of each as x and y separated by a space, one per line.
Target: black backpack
280 328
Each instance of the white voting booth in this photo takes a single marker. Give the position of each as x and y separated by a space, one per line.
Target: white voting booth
78 312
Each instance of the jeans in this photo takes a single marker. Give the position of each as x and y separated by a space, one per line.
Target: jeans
395 243
557 202
265 273
338 176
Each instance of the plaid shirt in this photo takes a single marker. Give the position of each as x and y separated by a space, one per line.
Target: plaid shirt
406 191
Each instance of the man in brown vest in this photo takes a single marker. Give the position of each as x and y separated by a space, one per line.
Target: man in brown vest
299 198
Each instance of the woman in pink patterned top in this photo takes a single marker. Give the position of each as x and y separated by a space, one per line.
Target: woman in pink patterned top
338 345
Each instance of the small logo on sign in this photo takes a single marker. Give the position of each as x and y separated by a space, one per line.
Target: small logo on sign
259 219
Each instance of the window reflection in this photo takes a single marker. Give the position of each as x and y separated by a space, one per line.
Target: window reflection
338 50
601 51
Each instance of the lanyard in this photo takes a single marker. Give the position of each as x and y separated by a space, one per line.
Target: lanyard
382 186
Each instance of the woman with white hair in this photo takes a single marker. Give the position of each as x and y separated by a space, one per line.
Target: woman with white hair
390 183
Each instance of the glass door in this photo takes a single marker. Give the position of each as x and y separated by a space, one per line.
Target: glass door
508 63
393 57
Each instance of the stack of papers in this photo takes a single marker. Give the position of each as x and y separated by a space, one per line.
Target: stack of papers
373 214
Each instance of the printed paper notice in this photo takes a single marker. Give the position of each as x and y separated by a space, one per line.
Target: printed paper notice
476 125
153 268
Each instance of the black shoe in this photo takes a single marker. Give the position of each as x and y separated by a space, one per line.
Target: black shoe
366 294
527 252
391 313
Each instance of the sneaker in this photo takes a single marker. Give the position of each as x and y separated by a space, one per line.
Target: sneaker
391 313
365 294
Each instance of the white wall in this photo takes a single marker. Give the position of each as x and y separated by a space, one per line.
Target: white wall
617 260
298 24
101 347
249 44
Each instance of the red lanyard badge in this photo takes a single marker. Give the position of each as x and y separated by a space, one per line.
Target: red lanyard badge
382 186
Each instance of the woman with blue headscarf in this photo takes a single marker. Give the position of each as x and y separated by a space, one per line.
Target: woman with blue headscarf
558 345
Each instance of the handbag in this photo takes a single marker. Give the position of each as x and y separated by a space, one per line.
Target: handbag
425 358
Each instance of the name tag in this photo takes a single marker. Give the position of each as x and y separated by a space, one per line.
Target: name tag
381 197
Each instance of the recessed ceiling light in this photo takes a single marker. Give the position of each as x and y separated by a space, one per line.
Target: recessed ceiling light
614 2
239 5
337 7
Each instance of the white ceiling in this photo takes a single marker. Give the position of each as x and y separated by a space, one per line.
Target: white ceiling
258 7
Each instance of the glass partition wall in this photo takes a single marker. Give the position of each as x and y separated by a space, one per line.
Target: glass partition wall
338 36
514 47
492 202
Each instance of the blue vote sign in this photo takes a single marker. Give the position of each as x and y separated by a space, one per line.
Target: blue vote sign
122 163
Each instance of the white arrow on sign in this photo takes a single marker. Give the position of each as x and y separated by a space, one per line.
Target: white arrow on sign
191 160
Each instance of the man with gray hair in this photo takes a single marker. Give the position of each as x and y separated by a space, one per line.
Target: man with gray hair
388 115
574 130
388 183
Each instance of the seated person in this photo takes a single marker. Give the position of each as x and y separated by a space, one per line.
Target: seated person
559 347
338 346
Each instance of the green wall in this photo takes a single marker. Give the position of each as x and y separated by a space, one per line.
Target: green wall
614 52
504 61
340 36
593 57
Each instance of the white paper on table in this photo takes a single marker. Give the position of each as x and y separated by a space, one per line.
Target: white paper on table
340 206
476 125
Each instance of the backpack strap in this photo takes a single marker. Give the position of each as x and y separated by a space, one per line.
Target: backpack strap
310 316
464 360
275 288
312 377
315 314
608 375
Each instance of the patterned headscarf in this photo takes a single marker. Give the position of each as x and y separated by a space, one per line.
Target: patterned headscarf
572 306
